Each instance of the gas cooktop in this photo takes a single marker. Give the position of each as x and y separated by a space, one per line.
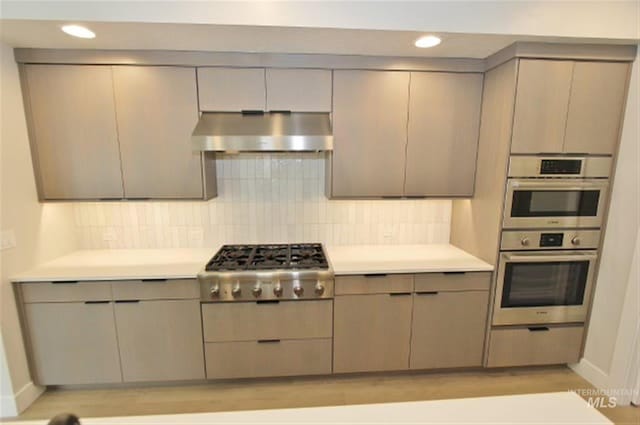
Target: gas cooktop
229 258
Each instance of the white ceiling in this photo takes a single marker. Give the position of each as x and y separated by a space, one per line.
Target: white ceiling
237 38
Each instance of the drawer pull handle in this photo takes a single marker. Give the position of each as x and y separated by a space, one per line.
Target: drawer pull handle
65 282
538 329
427 293
97 302
154 280
268 341
127 301
399 294
268 302
375 275
454 272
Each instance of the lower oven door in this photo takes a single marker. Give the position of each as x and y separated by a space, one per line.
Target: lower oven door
543 287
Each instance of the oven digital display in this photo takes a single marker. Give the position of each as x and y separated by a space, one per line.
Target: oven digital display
551 239
560 166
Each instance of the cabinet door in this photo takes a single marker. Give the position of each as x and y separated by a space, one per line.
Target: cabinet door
231 89
596 107
72 117
448 329
160 340
371 332
542 99
301 90
444 118
370 133
73 343
157 111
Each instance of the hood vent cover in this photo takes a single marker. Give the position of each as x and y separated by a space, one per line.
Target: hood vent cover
263 132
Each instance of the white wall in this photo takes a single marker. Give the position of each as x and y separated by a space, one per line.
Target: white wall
614 320
263 198
42 231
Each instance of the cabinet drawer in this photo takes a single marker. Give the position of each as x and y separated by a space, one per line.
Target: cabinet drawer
280 320
373 284
474 281
537 345
155 289
250 359
69 291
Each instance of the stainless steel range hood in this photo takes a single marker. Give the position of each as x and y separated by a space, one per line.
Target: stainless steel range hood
263 132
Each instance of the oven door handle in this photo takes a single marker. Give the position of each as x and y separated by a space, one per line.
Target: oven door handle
542 258
551 185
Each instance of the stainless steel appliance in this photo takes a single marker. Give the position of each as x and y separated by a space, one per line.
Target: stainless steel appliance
545 276
267 273
556 192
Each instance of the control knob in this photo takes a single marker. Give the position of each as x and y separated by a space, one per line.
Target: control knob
278 290
319 289
215 291
298 290
236 291
524 241
575 240
256 291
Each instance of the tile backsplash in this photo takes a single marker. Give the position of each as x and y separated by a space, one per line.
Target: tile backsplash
263 198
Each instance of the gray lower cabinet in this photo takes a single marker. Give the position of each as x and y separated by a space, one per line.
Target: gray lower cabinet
160 340
73 342
448 329
372 332
535 345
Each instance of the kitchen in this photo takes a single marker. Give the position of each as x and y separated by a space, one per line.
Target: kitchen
465 237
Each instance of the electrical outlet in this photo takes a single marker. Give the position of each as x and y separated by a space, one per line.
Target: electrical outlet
7 239
109 235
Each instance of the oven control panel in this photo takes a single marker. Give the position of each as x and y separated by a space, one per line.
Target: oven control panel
519 240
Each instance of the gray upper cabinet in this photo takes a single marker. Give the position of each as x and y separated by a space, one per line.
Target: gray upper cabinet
567 106
596 107
444 119
231 89
72 121
542 97
156 113
301 90
370 111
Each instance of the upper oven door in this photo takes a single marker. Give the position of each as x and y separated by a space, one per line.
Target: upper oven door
543 287
535 203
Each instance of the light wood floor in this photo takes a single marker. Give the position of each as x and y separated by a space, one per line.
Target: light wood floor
307 392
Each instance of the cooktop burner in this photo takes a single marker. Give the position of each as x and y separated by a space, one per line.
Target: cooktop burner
268 257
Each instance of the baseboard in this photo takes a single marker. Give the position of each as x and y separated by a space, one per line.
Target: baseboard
26 395
591 373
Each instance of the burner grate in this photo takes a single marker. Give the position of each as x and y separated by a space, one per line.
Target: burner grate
268 257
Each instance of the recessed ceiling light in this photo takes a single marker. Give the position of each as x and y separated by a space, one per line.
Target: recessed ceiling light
78 31
427 41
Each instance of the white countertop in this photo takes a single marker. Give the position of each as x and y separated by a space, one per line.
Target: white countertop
106 264
548 408
361 259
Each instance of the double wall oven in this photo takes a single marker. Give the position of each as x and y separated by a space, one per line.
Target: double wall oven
553 212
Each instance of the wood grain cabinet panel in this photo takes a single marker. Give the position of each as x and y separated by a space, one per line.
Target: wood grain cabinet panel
542 99
231 89
371 332
373 284
66 291
299 90
370 133
72 117
73 343
156 289
160 340
448 329
444 120
596 107
157 109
